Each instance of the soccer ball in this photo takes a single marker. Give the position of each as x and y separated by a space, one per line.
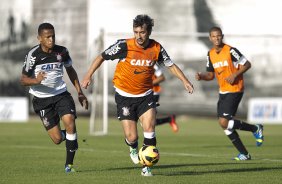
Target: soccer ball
148 155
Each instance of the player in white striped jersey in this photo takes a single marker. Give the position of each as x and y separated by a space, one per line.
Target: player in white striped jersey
43 73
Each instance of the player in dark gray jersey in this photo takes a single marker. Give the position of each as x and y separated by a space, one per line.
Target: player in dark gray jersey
43 72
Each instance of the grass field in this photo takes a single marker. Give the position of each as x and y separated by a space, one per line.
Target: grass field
198 153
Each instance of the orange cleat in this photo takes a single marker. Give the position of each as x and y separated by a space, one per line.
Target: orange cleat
173 124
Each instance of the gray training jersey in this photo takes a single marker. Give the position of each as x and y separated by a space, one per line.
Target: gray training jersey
52 64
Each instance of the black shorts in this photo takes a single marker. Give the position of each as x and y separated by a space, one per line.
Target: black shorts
51 109
156 99
227 105
131 108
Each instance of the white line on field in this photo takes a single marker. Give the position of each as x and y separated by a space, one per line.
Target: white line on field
162 153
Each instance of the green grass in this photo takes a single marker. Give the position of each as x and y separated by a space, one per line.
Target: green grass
198 153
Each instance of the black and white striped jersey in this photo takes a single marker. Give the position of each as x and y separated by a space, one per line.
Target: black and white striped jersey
52 64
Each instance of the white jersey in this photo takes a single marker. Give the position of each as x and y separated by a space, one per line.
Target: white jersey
52 64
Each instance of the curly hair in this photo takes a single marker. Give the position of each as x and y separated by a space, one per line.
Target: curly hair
142 19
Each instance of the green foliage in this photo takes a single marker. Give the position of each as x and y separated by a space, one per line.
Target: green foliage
198 153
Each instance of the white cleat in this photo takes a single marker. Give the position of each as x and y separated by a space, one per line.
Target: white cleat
134 155
146 171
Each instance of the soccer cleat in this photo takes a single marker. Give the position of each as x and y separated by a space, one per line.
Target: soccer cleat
134 155
173 124
259 135
242 157
69 168
146 171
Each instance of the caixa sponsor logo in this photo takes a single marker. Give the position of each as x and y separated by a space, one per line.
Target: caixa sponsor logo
265 111
51 66
141 62
220 64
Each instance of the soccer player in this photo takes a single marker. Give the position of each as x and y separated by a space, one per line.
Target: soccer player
159 77
133 82
43 72
228 65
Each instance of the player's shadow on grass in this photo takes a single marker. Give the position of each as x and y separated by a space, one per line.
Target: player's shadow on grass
158 169
214 171
170 166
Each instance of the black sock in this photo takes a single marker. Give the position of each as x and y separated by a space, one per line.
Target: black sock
160 121
241 125
150 142
235 139
71 147
70 157
133 144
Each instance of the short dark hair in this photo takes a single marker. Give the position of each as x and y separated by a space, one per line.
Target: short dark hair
142 19
43 26
215 28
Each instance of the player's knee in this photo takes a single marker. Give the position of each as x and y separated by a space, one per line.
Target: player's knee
69 121
149 127
131 137
57 140
223 123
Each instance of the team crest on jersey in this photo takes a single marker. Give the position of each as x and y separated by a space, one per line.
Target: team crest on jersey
59 58
45 122
125 111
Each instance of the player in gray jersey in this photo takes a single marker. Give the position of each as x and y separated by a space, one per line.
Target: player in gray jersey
43 73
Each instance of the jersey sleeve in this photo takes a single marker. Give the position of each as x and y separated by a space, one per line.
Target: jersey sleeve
29 65
67 59
116 51
164 58
237 57
209 66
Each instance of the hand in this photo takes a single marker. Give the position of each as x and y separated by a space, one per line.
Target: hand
40 76
230 79
198 76
86 82
189 87
83 100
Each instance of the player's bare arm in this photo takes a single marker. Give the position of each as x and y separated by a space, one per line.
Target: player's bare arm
207 76
30 81
231 79
158 80
74 79
94 66
175 70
